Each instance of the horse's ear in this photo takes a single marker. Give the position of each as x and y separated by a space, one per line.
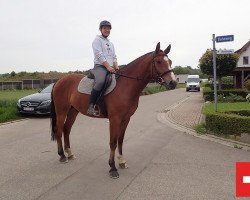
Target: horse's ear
167 50
158 47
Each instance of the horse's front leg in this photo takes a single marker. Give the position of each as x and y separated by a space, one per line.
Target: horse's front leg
115 129
122 162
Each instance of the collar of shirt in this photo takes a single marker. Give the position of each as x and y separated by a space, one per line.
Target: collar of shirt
103 37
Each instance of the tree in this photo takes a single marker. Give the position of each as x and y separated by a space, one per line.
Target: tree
12 74
180 70
225 64
188 70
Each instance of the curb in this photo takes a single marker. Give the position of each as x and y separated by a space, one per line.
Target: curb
14 121
165 118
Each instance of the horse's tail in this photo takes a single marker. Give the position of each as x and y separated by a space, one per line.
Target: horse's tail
52 117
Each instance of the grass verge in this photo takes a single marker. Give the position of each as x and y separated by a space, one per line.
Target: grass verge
200 128
223 107
8 101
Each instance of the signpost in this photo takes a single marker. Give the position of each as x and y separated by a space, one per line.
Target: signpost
224 38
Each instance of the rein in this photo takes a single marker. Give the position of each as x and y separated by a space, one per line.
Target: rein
157 79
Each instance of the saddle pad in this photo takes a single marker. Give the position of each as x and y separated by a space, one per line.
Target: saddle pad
86 85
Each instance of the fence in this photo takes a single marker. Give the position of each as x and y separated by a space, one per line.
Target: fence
26 84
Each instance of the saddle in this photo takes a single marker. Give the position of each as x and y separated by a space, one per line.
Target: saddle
86 85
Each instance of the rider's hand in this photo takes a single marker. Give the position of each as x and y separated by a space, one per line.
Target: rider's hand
111 69
116 66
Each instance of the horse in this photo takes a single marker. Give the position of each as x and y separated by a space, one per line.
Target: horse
121 103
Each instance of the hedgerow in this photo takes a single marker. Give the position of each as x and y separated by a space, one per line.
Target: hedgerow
208 94
229 123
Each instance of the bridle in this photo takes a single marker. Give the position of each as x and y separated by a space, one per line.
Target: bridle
154 78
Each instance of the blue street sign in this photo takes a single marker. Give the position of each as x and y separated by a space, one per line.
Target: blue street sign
225 38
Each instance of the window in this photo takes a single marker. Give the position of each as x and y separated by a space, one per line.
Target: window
245 60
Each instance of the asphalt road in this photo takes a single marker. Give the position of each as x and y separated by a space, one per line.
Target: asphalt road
164 163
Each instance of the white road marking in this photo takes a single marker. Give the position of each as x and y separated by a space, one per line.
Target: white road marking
246 179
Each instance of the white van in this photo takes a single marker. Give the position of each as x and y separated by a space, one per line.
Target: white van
193 83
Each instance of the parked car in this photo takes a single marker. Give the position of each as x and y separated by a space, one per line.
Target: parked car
38 103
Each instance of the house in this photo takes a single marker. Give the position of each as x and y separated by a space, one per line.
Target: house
181 78
242 70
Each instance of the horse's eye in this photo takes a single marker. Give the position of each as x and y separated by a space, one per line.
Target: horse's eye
158 62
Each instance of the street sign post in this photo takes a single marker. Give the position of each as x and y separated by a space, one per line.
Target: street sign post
224 38
214 69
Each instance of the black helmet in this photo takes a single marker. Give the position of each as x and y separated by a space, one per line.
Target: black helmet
105 23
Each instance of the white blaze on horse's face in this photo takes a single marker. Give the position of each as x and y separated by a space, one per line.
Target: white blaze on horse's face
171 73
166 59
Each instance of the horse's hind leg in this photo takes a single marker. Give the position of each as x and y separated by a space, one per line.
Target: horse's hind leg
71 117
59 130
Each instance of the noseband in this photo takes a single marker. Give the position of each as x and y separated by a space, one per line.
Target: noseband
155 78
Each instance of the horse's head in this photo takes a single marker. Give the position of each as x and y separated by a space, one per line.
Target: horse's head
162 66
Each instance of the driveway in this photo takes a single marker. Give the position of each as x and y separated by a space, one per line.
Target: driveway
164 163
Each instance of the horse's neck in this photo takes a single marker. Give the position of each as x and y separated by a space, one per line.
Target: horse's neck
140 70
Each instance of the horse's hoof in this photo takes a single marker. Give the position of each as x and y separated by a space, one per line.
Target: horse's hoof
114 174
72 157
123 165
63 160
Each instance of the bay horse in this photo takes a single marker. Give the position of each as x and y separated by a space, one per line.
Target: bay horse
121 103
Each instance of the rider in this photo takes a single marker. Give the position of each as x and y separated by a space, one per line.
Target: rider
105 61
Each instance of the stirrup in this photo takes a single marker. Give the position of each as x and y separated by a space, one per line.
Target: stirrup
91 111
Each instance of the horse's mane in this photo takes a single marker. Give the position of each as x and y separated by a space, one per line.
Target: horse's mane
135 61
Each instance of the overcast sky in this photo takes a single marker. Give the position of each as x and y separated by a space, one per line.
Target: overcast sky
56 35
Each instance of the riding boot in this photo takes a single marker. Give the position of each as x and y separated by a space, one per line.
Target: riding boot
93 99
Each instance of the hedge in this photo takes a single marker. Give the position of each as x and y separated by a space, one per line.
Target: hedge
224 86
208 94
232 122
240 112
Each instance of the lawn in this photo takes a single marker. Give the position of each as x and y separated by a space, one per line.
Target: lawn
209 108
8 100
15 94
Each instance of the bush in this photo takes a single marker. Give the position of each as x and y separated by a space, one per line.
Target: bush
227 123
248 97
153 88
8 111
232 95
227 86
247 84
231 98
240 112
224 86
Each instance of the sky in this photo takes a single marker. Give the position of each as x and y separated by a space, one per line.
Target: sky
57 35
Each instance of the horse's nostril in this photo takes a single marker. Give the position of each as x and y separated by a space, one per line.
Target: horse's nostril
172 84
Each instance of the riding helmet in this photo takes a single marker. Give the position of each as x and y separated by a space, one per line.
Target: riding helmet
105 23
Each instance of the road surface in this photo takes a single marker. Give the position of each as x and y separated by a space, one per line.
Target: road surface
164 163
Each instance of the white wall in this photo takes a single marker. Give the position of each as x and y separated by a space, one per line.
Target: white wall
240 61
181 78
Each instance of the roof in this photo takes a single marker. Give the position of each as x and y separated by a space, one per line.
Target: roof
244 48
